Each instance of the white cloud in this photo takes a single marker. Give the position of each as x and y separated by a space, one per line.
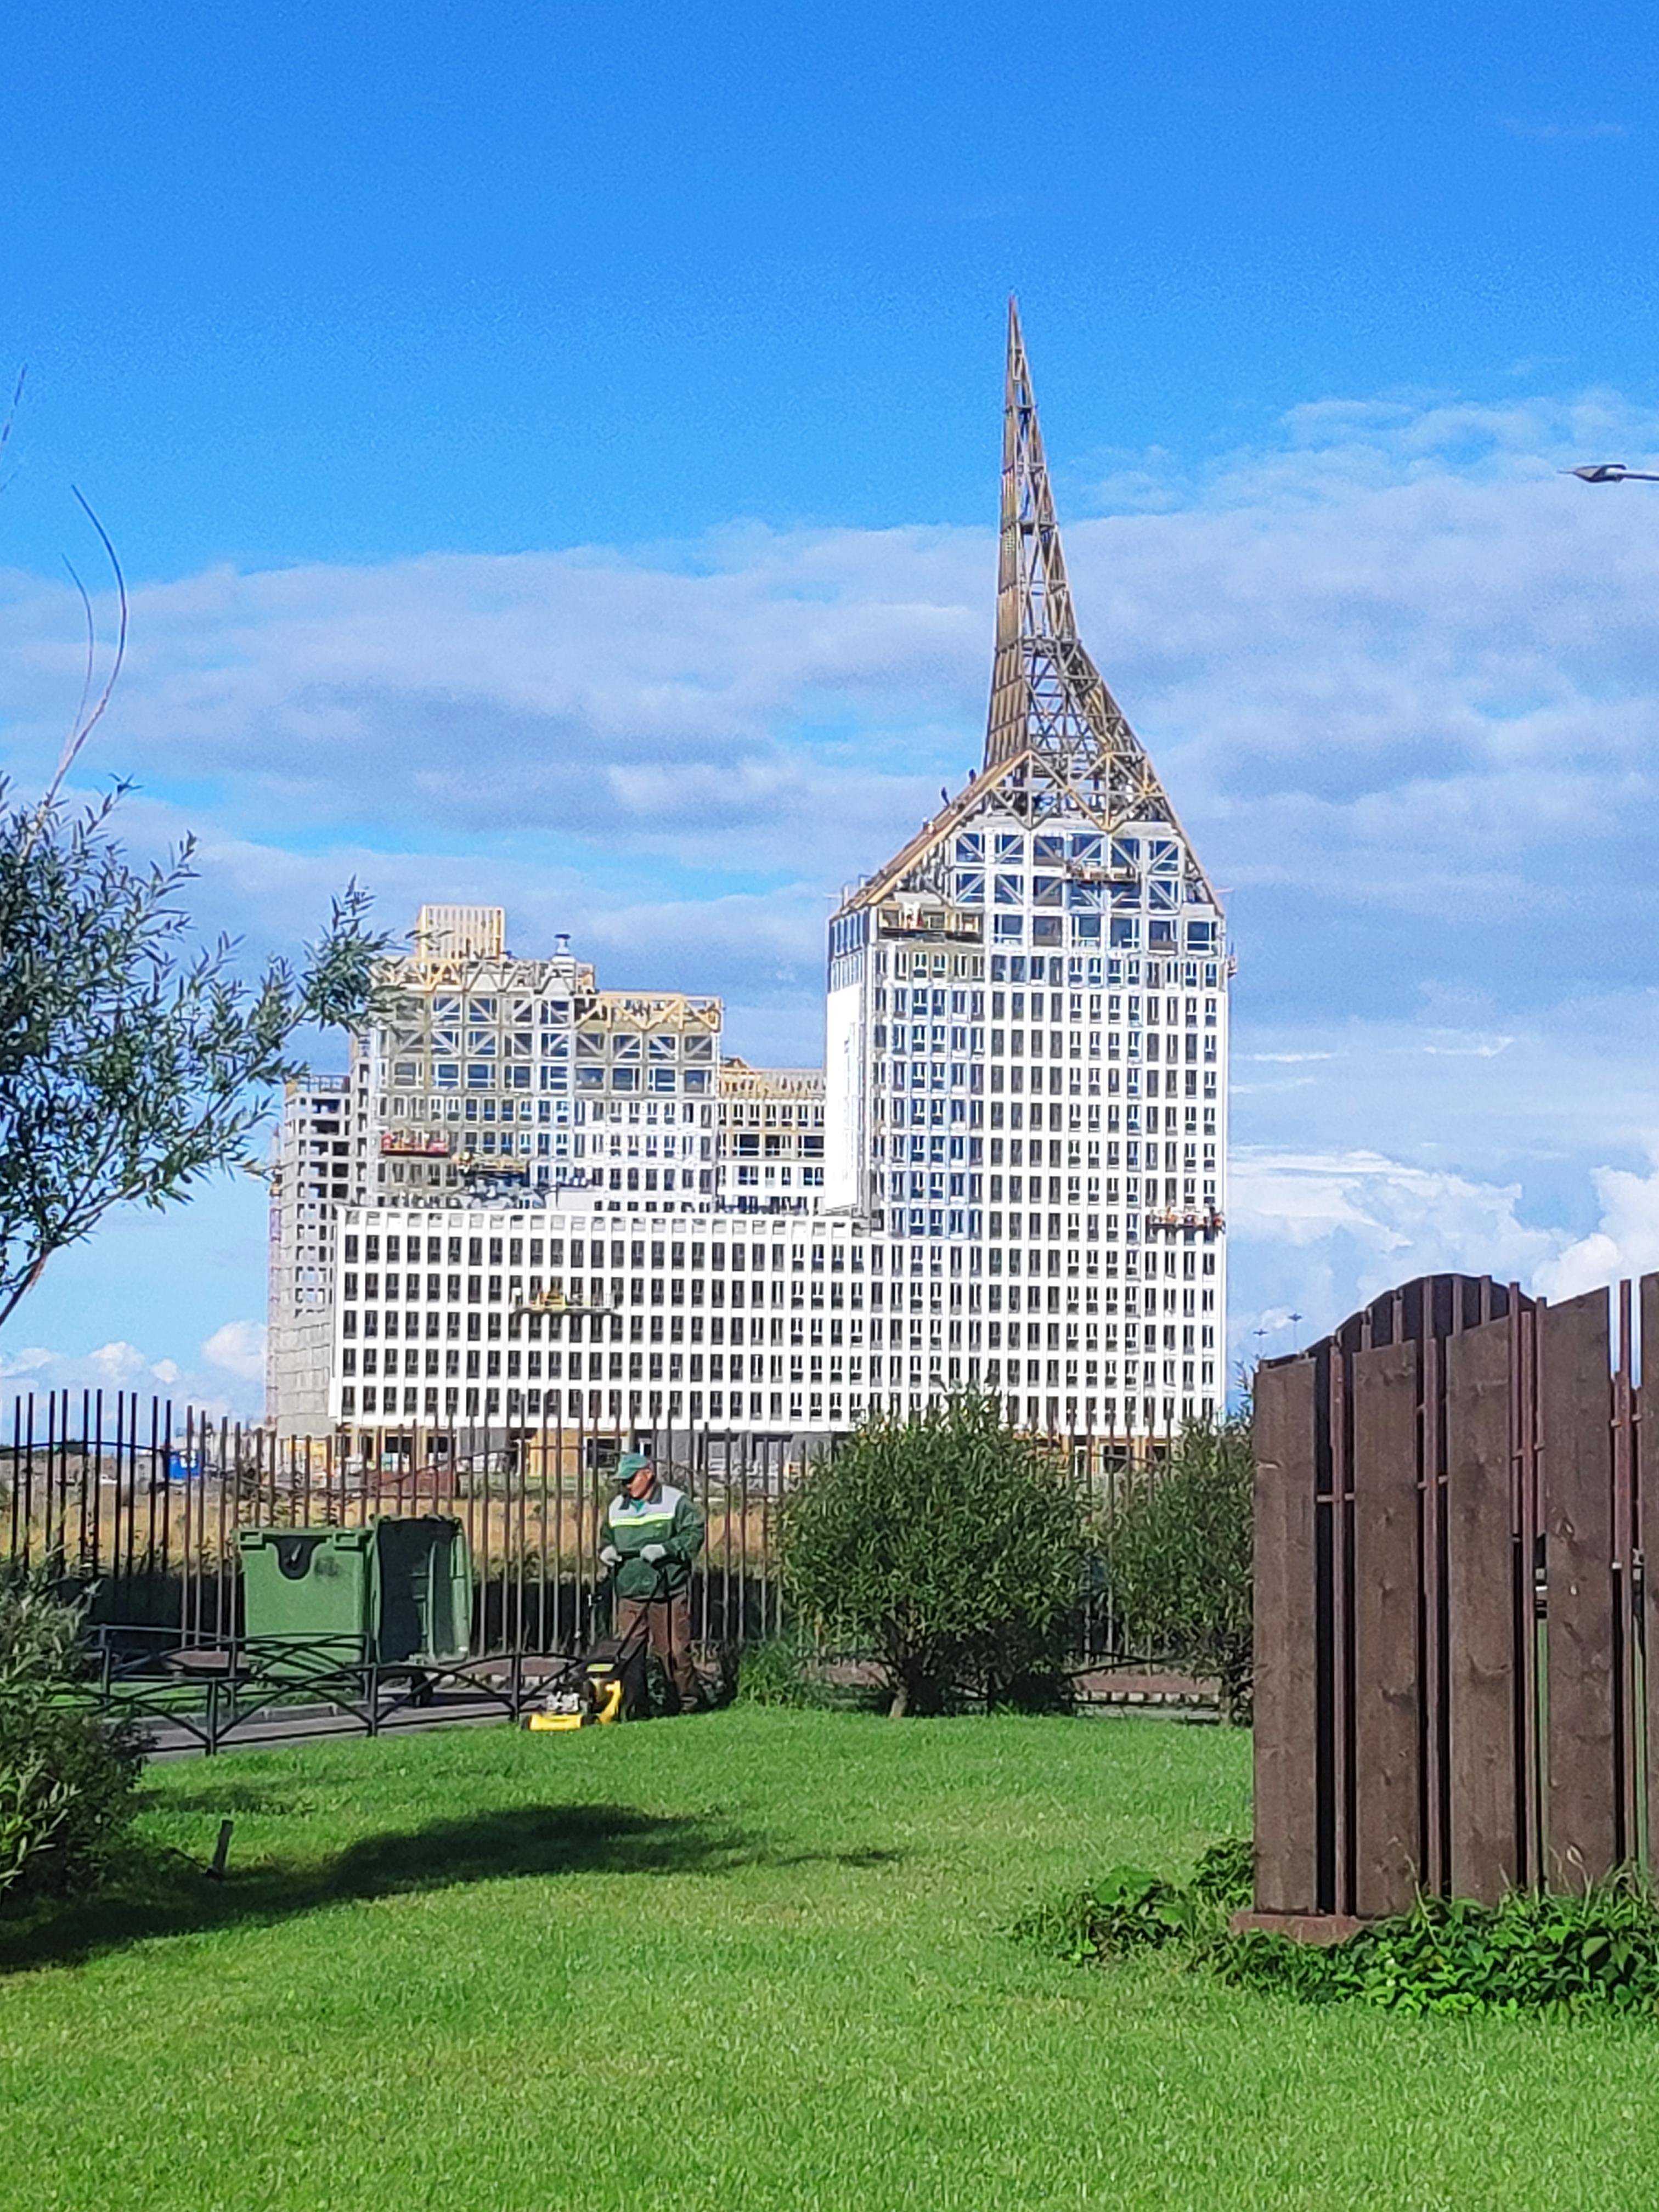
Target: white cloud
1395 1212
119 1363
240 1348
120 1367
1321 1233
1387 658
1625 1243
23 1365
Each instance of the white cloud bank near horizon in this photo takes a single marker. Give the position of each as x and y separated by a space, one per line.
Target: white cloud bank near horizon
1400 675
219 1380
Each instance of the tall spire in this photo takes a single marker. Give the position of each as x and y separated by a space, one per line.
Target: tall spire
1047 695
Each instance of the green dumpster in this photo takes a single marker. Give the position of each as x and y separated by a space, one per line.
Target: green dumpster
397 1591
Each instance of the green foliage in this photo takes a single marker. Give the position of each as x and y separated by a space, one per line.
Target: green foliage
948 1546
133 1062
1225 1874
1127 1910
1595 1950
779 1671
66 1778
1178 1557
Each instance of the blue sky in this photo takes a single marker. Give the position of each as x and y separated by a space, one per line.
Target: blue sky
554 450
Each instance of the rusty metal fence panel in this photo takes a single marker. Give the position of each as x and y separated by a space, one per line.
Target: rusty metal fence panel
1452 1622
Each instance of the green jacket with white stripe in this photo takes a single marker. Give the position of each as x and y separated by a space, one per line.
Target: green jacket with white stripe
667 1518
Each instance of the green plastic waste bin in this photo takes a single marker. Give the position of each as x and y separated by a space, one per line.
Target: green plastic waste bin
397 1590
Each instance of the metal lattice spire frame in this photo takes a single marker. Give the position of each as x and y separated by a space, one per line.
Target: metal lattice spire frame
1055 737
1047 698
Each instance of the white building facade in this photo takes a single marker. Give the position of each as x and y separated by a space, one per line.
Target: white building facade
1011 1176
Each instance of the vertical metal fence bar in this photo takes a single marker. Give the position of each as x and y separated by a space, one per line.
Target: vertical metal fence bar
92 1462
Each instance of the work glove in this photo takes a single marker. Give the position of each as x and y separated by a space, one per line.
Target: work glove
653 1552
611 1557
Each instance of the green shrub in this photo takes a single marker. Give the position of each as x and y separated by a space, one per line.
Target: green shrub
1127 1910
1596 1950
1529 1954
949 1547
1178 1557
66 1776
779 1671
1225 1874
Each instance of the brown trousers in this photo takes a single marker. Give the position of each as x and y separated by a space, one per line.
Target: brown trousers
668 1634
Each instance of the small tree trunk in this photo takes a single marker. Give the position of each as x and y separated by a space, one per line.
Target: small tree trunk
900 1703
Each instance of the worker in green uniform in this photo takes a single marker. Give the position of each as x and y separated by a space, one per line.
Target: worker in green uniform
653 1533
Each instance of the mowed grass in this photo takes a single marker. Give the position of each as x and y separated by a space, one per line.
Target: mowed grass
743 1961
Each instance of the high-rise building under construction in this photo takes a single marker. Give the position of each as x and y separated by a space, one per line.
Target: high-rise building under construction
568 1204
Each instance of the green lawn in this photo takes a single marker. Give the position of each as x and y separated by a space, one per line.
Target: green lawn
750 1961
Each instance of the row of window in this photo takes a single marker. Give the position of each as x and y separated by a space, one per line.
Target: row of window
1083 849
775 1410
922 1002
757 1367
1076 972
941 1039
553 1076
998 888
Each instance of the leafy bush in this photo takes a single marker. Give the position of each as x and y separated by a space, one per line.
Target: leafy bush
1225 1874
66 1778
778 1671
1531 1953
1178 1557
948 1546
1127 1910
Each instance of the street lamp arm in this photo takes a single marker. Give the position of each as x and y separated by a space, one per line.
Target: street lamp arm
1612 472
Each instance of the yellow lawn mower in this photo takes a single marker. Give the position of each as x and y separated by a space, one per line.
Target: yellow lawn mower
605 1683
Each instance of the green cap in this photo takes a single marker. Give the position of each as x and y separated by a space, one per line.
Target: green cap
630 1463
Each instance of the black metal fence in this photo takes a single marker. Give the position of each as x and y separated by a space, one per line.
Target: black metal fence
139 1500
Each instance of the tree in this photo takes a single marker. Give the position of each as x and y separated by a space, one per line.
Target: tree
1179 1557
66 1776
133 1062
946 1545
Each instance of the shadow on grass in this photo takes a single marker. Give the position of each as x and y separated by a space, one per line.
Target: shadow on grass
160 1894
